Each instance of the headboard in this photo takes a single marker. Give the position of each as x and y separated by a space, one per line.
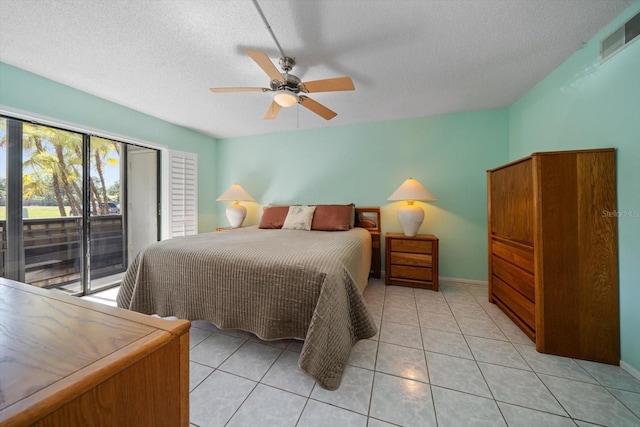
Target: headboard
369 218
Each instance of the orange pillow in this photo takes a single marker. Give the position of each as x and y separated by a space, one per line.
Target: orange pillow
332 217
273 216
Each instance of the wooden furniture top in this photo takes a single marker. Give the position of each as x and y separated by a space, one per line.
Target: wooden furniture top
55 347
416 237
551 153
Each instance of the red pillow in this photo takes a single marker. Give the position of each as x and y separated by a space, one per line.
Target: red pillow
273 216
332 217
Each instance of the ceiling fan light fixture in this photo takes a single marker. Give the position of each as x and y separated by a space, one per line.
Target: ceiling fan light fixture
284 98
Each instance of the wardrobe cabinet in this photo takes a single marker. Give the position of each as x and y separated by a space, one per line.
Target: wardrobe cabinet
553 257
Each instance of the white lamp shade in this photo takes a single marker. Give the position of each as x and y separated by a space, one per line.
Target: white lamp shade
411 189
235 193
411 216
236 213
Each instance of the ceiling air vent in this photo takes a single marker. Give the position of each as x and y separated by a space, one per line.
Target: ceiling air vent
620 38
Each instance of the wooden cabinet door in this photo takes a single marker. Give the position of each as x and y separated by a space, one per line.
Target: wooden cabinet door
511 201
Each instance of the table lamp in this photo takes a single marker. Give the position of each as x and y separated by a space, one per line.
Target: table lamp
411 216
235 212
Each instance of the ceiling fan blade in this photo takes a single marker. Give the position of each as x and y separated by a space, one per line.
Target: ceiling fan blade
237 89
273 111
329 85
265 63
317 108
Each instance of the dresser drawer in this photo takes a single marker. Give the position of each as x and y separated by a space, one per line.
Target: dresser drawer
520 255
404 258
414 273
412 246
516 302
516 277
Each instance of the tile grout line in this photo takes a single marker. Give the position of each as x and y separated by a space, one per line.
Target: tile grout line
375 360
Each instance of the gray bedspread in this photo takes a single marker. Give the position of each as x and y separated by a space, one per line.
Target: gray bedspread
276 284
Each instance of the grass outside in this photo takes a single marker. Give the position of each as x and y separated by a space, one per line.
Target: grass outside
36 212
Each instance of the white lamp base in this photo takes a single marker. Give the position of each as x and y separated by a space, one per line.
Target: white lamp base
410 217
236 214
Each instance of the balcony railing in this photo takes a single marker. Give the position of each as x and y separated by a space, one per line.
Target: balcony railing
53 250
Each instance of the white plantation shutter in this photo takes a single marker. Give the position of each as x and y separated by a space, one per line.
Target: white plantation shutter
183 193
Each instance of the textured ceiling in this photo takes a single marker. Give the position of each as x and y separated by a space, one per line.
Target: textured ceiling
407 58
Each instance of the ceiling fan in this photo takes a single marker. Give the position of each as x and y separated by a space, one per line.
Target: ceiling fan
288 90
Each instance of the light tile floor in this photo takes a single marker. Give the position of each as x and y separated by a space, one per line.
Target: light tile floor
445 358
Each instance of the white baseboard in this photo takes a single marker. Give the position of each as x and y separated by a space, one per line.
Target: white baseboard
630 370
450 280
465 281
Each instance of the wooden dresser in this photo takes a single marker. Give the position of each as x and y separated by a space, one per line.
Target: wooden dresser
553 259
69 362
412 261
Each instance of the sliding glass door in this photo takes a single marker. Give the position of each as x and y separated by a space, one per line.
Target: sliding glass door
42 228
106 225
64 217
52 223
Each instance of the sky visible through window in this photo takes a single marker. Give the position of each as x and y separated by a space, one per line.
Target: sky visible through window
42 173
111 173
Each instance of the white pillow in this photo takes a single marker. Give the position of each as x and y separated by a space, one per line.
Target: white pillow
299 218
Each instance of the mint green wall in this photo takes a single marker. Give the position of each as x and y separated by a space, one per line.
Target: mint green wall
581 104
365 163
585 104
34 94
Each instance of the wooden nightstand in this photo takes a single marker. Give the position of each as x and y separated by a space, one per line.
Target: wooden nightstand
412 261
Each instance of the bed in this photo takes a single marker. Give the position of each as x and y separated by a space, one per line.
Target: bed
275 283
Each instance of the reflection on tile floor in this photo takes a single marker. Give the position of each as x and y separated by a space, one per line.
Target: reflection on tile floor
445 358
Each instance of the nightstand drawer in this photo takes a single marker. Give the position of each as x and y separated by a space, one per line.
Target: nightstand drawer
415 273
413 246
404 258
